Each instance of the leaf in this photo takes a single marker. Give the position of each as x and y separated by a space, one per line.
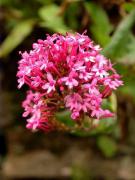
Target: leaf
16 36
6 2
113 102
100 27
72 15
129 86
107 146
64 117
129 57
110 103
106 126
121 39
128 79
128 6
51 18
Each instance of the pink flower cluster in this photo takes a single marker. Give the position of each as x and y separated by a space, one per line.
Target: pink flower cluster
65 72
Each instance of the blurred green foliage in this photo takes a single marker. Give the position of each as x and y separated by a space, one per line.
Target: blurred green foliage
49 14
107 146
21 18
16 36
100 27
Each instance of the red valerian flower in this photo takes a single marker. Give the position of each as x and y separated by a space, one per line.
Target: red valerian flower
65 71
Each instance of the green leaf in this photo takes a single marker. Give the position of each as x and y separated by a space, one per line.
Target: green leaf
106 126
6 2
100 27
16 36
129 86
129 57
110 103
107 146
113 102
121 39
65 117
72 14
128 78
128 6
51 18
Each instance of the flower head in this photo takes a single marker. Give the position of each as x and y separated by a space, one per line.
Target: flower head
65 71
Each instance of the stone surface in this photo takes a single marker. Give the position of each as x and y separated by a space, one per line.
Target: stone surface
44 164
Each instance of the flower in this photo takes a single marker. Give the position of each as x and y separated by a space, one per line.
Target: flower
70 82
50 86
65 72
38 111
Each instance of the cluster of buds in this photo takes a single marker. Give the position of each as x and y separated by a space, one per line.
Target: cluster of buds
65 73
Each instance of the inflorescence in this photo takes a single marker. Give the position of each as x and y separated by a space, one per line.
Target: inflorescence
65 72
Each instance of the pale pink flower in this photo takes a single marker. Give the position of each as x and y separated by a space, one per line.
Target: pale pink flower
113 84
70 82
90 59
36 81
49 86
21 82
